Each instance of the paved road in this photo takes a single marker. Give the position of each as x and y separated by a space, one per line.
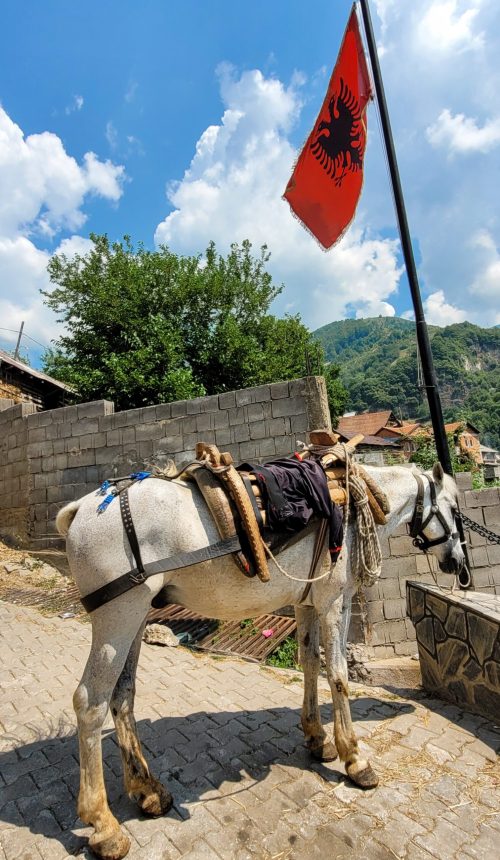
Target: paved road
223 734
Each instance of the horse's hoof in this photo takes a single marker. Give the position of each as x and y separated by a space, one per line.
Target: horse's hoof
324 752
157 802
113 848
365 778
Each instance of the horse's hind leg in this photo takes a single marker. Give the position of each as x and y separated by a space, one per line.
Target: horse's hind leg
308 636
358 769
154 799
91 700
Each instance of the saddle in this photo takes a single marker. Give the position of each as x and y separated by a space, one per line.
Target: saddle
235 500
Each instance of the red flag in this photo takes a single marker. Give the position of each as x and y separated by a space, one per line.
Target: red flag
325 186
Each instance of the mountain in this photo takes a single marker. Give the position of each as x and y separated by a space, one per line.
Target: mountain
378 362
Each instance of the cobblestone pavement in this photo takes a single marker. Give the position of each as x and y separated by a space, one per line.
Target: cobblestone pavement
223 734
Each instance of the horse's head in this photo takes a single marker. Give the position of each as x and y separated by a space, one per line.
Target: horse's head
434 525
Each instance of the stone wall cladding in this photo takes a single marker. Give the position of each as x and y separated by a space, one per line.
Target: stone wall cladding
458 638
386 626
67 452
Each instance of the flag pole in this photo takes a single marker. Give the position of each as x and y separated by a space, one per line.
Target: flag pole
424 346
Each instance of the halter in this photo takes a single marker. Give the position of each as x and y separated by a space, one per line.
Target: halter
418 524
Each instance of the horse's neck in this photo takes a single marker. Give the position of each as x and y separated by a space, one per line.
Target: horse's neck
400 487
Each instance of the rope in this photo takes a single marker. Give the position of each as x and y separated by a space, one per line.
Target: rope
367 554
289 575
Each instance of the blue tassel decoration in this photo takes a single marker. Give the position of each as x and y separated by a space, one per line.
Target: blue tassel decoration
104 504
103 488
139 476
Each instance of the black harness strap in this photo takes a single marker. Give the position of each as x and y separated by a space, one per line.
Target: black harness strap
163 565
418 524
128 525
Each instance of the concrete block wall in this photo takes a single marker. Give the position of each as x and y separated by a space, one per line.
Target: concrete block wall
69 451
382 608
14 472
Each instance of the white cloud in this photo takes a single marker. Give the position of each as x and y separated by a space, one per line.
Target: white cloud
449 25
43 188
462 134
75 105
43 193
111 134
232 191
440 312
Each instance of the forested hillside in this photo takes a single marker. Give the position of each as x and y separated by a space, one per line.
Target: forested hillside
378 362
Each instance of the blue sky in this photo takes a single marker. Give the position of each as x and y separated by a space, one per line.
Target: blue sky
180 123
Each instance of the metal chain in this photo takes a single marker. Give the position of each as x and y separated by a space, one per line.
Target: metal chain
476 527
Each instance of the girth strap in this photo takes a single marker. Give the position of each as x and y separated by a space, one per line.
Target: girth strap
163 565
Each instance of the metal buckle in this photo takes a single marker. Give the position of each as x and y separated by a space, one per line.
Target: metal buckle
139 577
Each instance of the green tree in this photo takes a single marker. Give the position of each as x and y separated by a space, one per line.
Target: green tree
149 326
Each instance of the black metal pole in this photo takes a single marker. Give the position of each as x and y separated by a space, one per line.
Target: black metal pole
423 341
424 346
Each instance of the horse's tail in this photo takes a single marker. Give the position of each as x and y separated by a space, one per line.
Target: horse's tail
66 516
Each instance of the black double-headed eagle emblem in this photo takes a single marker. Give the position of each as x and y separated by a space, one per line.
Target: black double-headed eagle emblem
339 143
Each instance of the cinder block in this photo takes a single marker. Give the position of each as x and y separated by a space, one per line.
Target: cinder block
480 556
391 588
463 480
163 410
127 436
278 427
227 399
98 440
210 403
258 430
375 610
493 551
92 475
402 546
95 408
220 419
394 609
113 437
36 434
279 390
204 421
247 451
194 406
288 406
252 395
299 423
148 414
492 518
178 408
170 444
110 422
481 498
266 448
223 437
396 631
255 412
406 649
79 458
236 416
85 425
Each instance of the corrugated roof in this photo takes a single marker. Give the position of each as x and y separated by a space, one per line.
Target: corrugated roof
37 374
368 423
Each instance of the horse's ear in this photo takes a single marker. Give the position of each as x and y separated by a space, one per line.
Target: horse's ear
438 473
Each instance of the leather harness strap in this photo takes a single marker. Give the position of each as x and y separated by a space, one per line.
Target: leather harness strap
128 525
418 524
174 562
319 545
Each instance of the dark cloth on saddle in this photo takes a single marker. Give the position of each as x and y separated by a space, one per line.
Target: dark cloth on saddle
293 491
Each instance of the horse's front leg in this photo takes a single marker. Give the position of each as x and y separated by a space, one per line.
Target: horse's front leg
357 768
111 641
153 798
308 636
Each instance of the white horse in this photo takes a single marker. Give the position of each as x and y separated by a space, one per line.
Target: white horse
172 518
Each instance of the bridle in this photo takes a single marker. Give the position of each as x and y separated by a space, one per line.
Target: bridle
418 524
